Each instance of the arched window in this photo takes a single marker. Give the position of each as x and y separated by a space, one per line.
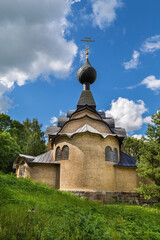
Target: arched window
58 154
115 155
65 153
108 153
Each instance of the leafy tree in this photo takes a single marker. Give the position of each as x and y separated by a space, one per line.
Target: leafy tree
132 146
34 138
5 122
9 150
149 166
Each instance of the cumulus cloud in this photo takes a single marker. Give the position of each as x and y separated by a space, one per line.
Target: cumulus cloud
53 120
104 12
151 44
133 63
127 113
152 83
137 136
33 41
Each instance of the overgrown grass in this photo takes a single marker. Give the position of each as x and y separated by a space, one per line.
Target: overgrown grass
30 210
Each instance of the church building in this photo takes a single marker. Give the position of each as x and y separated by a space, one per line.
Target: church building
85 151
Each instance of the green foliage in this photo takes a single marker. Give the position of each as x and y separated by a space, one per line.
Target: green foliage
9 150
27 137
32 211
34 138
132 147
149 166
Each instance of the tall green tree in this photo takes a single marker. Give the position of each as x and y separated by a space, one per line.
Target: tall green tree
9 151
132 147
34 138
149 166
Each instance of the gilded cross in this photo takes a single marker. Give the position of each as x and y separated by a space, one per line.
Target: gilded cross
87 39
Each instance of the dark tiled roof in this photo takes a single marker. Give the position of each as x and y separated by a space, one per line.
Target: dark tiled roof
126 161
119 131
62 121
110 122
86 98
53 130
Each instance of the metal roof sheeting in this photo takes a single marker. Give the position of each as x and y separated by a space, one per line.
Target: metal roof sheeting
126 161
44 158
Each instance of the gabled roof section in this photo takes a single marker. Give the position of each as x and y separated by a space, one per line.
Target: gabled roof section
126 161
86 98
86 128
46 157
27 158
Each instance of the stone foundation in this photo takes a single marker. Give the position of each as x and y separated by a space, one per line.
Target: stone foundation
113 197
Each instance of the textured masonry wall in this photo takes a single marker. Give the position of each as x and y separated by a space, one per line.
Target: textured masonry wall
74 125
85 112
86 167
47 173
126 179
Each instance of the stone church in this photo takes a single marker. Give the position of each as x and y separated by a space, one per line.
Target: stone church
85 150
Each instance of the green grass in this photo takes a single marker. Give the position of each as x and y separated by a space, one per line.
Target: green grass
60 215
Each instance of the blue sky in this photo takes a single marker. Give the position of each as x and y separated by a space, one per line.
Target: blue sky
41 52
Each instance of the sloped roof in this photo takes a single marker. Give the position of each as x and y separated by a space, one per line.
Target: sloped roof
126 161
53 130
46 157
86 98
88 128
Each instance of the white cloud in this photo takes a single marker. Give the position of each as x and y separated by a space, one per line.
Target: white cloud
133 63
151 44
33 41
104 12
151 82
82 55
53 120
127 113
61 113
148 120
137 136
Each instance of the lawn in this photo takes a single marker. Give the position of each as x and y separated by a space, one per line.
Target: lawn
30 210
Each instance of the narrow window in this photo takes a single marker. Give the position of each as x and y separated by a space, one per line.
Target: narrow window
115 155
108 153
65 153
58 154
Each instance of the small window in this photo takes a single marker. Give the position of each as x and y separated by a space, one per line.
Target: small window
115 155
108 153
65 153
58 154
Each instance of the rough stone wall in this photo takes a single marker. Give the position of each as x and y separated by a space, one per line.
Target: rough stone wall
85 112
106 197
86 167
47 173
72 126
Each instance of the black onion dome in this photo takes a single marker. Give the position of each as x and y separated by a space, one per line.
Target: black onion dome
86 73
